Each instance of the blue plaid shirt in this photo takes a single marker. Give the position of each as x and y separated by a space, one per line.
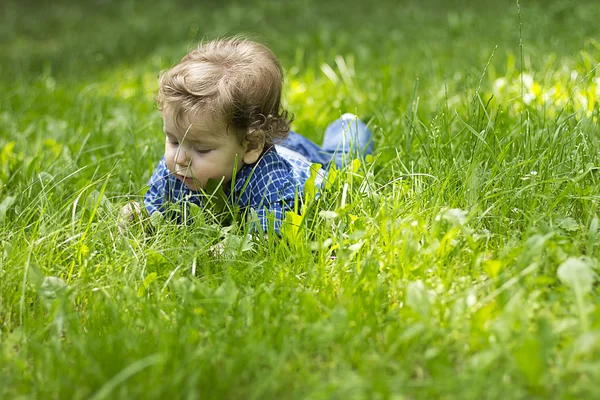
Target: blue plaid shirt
270 186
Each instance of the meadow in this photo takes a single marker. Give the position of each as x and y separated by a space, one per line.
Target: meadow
459 262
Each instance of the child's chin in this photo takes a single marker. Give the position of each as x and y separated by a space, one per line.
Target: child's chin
195 186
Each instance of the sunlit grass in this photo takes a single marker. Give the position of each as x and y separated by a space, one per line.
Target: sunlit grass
460 261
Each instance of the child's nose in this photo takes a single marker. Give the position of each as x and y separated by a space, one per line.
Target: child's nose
181 157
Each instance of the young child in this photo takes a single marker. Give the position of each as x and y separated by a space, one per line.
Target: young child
224 122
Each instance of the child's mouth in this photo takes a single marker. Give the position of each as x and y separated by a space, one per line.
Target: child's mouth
184 179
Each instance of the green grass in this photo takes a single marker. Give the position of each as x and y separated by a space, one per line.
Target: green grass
467 249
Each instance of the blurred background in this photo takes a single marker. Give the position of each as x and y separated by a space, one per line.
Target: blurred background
84 72
85 37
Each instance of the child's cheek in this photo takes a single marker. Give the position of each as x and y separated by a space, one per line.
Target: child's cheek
169 159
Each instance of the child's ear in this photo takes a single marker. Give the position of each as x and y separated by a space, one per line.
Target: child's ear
254 148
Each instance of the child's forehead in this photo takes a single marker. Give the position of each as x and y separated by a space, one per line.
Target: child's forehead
199 124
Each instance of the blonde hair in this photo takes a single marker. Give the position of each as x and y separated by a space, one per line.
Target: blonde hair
239 79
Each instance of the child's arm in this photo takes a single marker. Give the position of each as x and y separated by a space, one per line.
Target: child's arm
270 216
270 194
157 188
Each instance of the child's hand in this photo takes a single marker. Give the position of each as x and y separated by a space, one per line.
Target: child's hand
131 213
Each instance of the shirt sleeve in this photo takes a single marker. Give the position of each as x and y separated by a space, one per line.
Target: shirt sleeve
268 217
154 198
271 190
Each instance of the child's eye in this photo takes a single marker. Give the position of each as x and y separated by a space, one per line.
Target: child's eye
201 151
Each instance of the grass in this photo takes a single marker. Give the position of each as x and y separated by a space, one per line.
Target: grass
467 249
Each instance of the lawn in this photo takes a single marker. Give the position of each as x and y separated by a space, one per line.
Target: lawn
460 262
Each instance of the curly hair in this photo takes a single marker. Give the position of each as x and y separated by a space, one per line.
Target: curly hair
237 78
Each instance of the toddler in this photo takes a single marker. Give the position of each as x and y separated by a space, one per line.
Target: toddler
224 122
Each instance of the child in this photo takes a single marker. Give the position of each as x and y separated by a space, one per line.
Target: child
224 122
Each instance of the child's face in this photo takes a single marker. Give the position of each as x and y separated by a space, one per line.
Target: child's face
205 151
